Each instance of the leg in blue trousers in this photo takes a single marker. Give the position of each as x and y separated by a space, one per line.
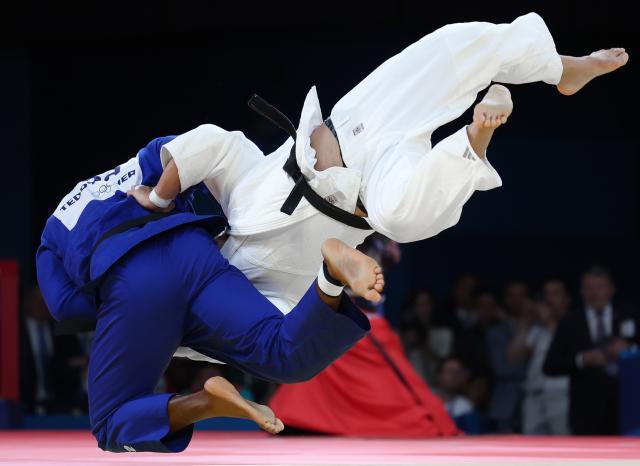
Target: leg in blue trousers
177 290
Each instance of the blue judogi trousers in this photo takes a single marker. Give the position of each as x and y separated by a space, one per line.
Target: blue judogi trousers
177 290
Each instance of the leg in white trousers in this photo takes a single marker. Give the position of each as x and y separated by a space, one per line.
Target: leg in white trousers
410 190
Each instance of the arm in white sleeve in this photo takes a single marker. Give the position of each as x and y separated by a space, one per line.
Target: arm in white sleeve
210 153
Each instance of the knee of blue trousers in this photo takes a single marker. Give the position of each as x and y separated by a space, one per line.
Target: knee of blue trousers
141 425
295 374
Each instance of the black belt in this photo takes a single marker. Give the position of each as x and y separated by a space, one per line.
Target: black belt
302 188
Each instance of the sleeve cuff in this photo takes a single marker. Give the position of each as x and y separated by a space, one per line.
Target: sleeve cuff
488 177
349 309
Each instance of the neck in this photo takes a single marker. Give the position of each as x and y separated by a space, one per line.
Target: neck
326 147
328 153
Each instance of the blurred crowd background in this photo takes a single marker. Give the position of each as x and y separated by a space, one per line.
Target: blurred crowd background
535 269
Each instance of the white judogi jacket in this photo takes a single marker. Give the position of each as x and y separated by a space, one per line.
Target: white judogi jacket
411 190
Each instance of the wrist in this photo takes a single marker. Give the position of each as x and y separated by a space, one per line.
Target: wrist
159 201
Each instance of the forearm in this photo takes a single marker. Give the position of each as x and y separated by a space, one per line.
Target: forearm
168 186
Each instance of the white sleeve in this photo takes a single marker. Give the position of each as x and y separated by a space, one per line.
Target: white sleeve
209 152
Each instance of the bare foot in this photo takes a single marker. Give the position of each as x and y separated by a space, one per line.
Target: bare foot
353 268
494 109
578 71
226 401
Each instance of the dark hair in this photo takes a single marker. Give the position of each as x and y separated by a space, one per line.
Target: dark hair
413 297
453 358
597 271
552 279
486 290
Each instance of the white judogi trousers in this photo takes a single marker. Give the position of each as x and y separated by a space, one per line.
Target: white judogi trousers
411 190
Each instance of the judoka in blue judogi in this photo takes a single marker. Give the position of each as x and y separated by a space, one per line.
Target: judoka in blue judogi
157 282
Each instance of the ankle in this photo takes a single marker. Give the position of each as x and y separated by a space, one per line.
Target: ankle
479 139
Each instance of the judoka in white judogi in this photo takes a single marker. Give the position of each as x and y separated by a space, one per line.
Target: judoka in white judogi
411 190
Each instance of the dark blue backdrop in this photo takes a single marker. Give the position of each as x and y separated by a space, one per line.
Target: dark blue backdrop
84 88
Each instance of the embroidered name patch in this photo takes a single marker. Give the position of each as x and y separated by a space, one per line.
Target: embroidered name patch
358 129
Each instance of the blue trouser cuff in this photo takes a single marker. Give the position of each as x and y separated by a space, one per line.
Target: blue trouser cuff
142 425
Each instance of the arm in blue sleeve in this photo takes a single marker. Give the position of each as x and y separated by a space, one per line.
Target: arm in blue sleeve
63 297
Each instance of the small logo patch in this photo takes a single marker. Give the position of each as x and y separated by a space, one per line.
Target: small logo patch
331 199
358 129
468 155
128 448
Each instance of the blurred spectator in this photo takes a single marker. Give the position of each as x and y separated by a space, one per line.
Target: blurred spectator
555 293
546 404
508 375
517 301
53 369
460 315
388 254
586 347
425 344
459 311
453 378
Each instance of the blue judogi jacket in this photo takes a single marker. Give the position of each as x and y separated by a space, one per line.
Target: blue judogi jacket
74 252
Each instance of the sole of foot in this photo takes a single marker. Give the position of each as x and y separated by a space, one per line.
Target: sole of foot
226 401
353 268
578 71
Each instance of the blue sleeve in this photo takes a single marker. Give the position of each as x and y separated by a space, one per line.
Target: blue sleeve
149 158
63 297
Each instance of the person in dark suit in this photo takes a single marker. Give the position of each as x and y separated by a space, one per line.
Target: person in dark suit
586 347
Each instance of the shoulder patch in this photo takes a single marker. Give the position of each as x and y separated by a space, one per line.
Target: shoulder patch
100 187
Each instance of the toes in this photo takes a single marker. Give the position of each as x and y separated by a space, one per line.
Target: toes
377 270
274 427
372 295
